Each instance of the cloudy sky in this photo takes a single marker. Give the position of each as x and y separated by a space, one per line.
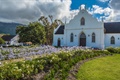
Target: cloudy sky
25 11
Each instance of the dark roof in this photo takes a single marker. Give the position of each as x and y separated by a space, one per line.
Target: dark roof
112 27
7 37
60 30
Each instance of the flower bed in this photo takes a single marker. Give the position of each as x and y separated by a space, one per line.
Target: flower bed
13 53
56 65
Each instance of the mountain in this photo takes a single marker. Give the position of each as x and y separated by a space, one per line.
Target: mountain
8 28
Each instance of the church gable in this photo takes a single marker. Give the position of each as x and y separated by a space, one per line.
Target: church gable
83 20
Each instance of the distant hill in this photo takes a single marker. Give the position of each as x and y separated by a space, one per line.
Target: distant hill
8 28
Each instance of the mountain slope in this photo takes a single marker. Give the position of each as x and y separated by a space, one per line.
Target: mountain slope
8 28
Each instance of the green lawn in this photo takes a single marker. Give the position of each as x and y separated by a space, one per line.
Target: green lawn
106 68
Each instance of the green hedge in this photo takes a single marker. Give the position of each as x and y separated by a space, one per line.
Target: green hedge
113 50
57 65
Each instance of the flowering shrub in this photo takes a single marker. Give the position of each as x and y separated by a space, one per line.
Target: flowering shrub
56 65
61 69
12 53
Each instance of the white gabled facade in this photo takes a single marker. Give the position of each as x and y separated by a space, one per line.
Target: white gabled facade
81 28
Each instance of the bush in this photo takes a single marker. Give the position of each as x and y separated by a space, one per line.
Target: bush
111 49
2 41
57 65
117 50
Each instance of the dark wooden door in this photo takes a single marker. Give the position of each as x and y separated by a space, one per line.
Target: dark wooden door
59 42
82 41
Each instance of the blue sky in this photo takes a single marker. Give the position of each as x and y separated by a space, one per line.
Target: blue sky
76 3
89 4
30 10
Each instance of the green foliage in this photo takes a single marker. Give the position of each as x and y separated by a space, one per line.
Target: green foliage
39 33
4 52
49 27
68 59
57 65
111 49
105 68
2 41
34 33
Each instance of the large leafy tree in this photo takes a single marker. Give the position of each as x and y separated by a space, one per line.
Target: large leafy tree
49 25
34 33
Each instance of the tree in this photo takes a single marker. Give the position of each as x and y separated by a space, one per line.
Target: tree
34 33
2 41
49 26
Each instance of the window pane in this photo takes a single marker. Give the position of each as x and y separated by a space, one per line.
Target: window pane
82 21
71 37
112 40
93 37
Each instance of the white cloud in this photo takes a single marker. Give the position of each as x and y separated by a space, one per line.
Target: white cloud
103 0
111 13
107 12
115 5
24 11
100 10
71 15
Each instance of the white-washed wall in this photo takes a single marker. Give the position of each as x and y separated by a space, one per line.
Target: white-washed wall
88 33
55 39
108 40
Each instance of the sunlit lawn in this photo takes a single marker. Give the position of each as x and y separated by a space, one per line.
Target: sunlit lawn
106 68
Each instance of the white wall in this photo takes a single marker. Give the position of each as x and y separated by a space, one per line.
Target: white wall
88 33
55 39
108 37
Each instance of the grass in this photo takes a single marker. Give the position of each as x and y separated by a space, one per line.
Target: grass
106 68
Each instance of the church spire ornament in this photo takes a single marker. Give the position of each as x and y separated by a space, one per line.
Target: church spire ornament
83 7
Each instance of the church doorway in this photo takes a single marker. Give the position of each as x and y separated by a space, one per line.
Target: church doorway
59 42
82 41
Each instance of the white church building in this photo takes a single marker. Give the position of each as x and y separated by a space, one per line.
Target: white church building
85 30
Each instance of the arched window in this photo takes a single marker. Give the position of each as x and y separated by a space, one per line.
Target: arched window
71 37
82 21
93 37
112 40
